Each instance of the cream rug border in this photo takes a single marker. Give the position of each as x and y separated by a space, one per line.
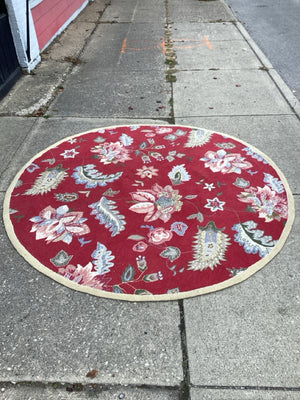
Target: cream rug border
136 298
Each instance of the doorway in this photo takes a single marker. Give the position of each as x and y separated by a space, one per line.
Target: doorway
9 66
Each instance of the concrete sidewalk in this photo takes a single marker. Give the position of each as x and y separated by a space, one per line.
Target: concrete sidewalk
164 61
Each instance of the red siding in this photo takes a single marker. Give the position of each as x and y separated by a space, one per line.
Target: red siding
50 15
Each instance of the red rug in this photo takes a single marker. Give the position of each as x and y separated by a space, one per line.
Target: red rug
149 212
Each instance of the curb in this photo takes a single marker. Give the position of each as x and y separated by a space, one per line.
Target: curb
282 86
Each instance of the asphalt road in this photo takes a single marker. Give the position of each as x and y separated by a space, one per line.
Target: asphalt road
275 27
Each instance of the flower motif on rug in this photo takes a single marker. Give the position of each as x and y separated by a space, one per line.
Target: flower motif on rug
215 204
60 224
266 202
147 171
83 275
159 236
157 202
69 153
224 162
112 152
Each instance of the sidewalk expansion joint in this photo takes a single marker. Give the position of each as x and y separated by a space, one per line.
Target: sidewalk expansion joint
115 118
185 393
92 389
257 388
218 69
291 114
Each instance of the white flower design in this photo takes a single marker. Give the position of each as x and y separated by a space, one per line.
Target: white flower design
215 204
69 153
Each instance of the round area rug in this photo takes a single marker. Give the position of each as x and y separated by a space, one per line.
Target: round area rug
149 212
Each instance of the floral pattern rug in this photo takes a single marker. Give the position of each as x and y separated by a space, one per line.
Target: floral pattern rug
149 212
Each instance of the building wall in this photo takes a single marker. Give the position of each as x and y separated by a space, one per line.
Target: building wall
47 19
18 22
50 17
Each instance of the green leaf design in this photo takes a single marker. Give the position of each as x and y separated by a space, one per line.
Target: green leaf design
171 252
192 216
198 216
136 237
117 289
250 209
143 145
151 277
142 292
156 155
128 274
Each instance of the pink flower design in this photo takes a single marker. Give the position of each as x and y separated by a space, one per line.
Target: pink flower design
60 224
161 130
224 162
159 236
157 203
140 247
267 202
111 152
147 172
82 275
179 227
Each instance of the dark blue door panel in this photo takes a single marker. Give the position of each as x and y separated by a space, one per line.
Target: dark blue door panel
9 66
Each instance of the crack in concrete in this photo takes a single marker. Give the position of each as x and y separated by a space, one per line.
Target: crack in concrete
170 59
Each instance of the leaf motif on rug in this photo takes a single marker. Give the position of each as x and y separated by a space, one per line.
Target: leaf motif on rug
171 252
142 292
48 180
129 274
252 239
250 152
61 259
89 176
102 259
106 212
117 289
179 174
210 247
198 137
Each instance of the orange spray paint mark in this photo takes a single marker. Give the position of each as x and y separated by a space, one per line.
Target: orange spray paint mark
208 43
195 43
163 45
124 45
